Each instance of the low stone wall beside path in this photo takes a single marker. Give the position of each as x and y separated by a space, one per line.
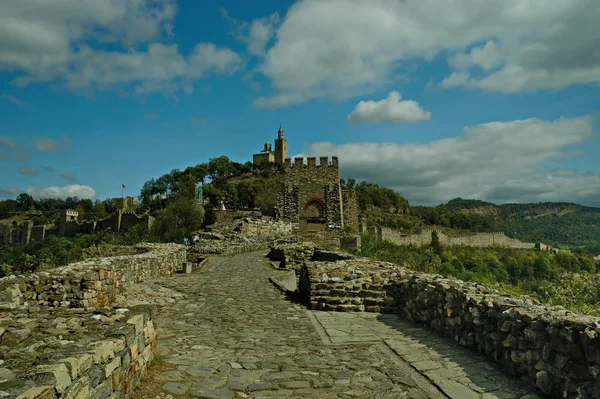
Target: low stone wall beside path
60 337
555 349
90 283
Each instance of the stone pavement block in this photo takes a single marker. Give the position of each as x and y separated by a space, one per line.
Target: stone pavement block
455 390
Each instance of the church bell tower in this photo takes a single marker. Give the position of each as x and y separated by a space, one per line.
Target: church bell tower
281 147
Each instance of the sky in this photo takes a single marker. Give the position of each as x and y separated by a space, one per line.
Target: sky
437 99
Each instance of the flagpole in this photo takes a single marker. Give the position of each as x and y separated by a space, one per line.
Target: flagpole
122 196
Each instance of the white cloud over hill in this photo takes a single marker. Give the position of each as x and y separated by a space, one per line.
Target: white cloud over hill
498 161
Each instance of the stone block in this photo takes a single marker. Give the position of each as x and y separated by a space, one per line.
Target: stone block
43 392
52 374
111 366
102 351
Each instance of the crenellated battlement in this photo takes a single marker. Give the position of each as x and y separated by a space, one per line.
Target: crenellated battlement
299 162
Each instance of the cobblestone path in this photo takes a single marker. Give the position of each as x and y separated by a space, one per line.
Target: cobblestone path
233 335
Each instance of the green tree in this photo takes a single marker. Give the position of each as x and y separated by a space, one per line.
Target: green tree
25 202
181 218
435 242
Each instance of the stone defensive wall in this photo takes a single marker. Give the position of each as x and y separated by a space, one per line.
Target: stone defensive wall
93 282
61 338
556 350
497 239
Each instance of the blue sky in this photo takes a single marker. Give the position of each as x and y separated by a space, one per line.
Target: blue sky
490 100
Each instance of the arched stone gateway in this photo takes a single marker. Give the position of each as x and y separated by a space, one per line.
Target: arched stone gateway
315 214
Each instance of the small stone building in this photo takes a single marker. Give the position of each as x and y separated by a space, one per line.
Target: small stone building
313 196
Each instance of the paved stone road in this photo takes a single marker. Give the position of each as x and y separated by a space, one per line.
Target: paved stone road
234 335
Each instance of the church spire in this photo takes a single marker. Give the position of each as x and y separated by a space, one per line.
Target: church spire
280 131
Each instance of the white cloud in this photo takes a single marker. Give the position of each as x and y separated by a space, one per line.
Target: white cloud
282 100
74 190
514 45
389 109
485 57
52 40
256 34
498 162
455 79
260 33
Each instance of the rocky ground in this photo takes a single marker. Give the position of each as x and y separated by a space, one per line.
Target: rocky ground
226 332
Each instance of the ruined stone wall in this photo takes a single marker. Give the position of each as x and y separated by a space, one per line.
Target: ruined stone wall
90 283
89 349
70 229
229 215
324 239
5 234
113 222
83 356
130 219
23 234
38 233
350 208
557 350
474 240
266 228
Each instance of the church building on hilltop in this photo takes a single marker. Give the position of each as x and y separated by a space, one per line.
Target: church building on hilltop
277 156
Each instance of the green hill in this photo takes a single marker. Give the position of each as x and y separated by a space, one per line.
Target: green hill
559 224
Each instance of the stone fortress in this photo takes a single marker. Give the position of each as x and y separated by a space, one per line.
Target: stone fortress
494 239
313 197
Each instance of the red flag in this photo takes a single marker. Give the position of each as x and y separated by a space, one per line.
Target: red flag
123 185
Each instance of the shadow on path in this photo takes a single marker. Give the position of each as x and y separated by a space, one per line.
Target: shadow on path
458 372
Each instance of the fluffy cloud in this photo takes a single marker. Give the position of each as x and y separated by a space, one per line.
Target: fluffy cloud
24 170
51 40
68 176
497 161
390 109
74 190
256 34
509 46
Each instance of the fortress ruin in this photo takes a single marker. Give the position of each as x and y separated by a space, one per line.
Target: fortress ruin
69 226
